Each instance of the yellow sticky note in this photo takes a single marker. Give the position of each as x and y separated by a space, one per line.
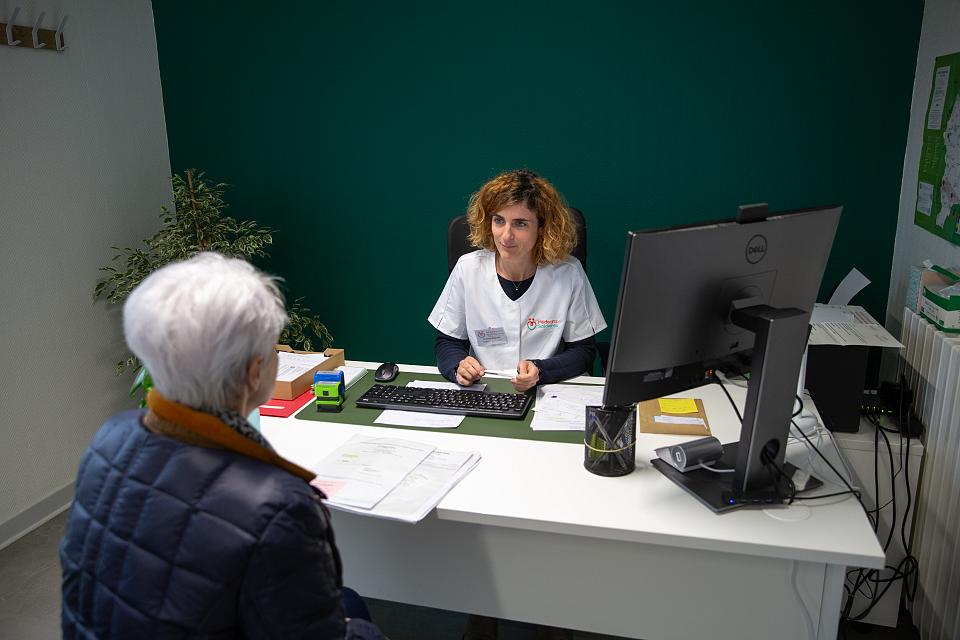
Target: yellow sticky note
677 405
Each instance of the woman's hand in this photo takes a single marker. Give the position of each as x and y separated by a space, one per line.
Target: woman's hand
469 371
527 376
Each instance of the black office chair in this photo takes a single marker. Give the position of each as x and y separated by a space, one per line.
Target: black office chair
458 244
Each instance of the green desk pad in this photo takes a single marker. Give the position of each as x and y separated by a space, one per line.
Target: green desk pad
498 428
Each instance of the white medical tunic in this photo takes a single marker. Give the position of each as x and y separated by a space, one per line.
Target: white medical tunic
559 305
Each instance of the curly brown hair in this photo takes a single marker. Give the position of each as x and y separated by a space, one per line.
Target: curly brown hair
558 231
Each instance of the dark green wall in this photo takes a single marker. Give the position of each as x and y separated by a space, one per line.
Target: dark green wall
360 128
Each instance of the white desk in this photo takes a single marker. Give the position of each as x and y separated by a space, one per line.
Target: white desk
530 535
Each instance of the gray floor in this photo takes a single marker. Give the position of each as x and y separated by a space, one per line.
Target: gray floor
30 584
30 602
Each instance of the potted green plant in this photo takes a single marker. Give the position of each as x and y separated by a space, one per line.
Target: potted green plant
196 224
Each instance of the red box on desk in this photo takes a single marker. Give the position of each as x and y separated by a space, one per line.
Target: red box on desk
288 390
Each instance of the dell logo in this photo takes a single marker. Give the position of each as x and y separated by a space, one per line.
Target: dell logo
756 249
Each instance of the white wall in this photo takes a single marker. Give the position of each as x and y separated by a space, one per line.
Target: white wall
940 35
83 166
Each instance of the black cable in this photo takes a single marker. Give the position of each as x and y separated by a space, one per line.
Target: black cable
874 420
873 575
881 507
829 495
899 573
863 575
733 404
876 478
905 420
772 466
904 416
851 595
908 568
893 493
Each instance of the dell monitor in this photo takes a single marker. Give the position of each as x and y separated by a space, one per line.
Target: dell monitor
700 297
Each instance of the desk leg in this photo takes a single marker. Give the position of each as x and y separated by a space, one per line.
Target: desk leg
832 602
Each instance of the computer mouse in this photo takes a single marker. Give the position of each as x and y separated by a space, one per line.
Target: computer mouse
386 372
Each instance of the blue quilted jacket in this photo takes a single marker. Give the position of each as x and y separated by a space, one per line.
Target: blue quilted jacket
167 539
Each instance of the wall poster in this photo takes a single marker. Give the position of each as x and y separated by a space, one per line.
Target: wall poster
938 187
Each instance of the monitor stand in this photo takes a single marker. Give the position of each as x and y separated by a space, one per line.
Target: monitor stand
715 490
780 340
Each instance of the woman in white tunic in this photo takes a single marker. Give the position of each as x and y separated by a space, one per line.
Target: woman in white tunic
520 303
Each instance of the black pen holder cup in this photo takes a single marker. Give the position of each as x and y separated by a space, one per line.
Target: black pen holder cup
609 440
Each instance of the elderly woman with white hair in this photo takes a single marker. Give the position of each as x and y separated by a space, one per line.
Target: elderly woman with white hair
186 522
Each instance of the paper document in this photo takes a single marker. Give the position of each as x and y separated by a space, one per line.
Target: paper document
430 384
351 374
677 420
293 365
419 419
423 487
848 326
509 375
562 407
851 285
364 470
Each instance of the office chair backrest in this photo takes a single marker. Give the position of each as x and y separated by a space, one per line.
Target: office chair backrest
458 244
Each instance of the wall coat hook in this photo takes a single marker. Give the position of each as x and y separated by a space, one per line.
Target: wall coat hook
36 27
10 41
58 36
33 36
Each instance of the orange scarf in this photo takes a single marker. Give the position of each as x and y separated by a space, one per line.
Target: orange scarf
202 429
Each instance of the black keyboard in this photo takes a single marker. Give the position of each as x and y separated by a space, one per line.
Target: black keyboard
512 406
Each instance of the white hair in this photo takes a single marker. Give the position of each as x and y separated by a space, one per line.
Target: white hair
197 324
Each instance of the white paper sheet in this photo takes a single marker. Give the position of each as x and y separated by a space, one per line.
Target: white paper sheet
562 407
430 384
364 470
678 420
509 375
351 374
834 313
848 326
293 365
419 419
423 487
851 285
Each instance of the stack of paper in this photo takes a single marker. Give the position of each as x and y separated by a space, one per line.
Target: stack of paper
293 365
390 478
562 407
850 325
351 374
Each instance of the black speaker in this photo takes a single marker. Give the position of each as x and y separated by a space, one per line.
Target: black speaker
835 378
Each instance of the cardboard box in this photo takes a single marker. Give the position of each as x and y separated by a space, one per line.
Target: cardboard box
943 310
921 277
290 390
649 410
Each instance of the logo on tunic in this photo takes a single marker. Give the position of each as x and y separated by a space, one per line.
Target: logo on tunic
533 323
